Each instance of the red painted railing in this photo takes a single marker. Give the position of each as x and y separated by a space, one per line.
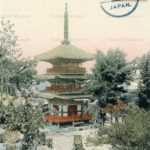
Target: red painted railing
64 119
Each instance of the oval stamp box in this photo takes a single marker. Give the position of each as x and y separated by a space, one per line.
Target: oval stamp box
119 8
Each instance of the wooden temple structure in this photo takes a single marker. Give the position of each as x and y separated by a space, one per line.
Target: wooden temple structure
66 94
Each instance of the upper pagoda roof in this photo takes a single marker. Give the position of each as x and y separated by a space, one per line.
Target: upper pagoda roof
65 51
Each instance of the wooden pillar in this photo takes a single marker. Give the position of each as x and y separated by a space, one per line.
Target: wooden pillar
62 110
82 109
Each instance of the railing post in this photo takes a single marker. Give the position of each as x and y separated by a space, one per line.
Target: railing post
49 143
47 146
78 145
42 138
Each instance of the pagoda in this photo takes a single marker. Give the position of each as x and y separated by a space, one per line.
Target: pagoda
66 94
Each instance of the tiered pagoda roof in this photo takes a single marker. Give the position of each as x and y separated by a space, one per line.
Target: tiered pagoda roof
65 59
65 51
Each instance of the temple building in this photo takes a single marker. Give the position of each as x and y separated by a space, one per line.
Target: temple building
66 93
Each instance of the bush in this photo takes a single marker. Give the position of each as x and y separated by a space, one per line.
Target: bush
25 118
132 133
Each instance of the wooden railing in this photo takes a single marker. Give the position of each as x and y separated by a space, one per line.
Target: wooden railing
66 70
64 88
64 119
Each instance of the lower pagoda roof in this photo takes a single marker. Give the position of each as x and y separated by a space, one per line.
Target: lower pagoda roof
54 98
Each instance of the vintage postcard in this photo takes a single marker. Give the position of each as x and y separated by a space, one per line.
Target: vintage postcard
74 75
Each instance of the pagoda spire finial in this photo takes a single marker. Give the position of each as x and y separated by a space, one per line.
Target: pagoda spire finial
66 26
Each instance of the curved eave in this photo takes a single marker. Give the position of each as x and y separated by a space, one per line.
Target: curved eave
59 60
54 98
68 98
63 77
65 53
80 97
47 95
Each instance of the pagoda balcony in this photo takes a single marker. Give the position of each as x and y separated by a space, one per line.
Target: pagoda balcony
66 88
66 70
67 119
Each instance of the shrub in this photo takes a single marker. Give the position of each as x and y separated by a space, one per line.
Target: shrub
130 134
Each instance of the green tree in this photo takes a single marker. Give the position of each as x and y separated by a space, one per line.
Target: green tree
144 84
110 77
14 71
17 73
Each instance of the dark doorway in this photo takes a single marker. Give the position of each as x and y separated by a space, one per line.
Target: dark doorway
72 110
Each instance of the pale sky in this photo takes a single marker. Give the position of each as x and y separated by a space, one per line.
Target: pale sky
39 25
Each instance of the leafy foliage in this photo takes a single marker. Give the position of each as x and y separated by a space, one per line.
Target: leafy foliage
110 75
144 85
15 72
132 133
26 118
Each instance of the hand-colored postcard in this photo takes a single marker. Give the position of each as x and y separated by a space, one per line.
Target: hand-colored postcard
74 75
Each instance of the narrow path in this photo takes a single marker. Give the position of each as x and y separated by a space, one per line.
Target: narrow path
63 140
